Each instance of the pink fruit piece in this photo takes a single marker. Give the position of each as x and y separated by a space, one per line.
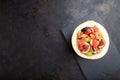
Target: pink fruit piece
94 42
84 48
80 41
101 43
87 31
96 50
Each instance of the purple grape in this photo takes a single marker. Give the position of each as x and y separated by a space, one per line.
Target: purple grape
84 29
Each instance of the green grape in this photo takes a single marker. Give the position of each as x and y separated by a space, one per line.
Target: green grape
89 54
86 39
100 34
91 50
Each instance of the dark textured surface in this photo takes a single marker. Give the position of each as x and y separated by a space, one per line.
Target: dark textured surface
31 46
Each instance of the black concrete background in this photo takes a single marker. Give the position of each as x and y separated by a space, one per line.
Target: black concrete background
31 45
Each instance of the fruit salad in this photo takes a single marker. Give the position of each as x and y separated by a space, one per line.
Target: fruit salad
90 40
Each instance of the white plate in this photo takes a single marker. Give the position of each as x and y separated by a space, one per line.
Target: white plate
105 35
